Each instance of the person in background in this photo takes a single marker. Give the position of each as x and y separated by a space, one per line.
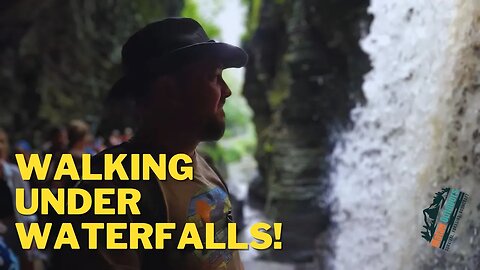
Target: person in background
99 144
10 180
56 145
90 145
78 137
127 134
57 142
8 260
21 147
115 138
78 141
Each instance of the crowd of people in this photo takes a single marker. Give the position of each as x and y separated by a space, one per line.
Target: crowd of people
75 138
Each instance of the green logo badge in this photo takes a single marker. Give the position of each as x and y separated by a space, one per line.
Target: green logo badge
442 216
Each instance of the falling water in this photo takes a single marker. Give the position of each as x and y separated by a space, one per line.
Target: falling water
418 132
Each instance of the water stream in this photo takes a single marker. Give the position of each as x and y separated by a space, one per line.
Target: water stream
415 135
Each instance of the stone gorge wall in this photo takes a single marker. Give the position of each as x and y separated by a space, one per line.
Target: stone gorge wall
58 58
303 78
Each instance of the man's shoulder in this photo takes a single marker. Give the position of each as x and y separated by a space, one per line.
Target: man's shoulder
98 165
98 159
205 166
123 148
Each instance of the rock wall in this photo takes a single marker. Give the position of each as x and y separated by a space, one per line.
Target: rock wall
58 58
303 78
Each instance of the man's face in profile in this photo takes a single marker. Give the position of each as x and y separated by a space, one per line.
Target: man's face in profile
192 100
206 92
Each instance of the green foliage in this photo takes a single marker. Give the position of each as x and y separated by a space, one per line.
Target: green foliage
230 151
254 7
238 116
190 9
430 214
145 11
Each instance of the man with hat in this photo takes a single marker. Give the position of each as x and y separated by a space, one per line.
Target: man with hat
173 71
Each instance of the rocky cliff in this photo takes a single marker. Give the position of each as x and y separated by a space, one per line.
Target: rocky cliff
59 58
303 78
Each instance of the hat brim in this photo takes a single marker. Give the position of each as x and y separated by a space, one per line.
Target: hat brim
228 55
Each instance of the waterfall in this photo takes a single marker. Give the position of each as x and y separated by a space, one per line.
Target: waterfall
417 133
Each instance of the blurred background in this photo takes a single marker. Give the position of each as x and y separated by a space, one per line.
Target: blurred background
348 118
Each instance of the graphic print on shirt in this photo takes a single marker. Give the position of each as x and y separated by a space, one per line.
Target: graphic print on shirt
211 206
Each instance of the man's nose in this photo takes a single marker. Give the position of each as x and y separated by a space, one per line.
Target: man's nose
227 91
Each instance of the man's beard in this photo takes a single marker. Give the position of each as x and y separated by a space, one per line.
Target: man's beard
214 129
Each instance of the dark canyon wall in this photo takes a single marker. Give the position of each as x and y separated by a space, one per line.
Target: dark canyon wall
58 58
303 78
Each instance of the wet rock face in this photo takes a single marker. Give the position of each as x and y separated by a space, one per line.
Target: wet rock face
59 58
304 77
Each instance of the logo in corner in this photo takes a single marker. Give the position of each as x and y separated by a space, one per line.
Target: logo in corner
442 217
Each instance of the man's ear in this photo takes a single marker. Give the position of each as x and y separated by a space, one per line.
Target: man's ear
155 95
169 88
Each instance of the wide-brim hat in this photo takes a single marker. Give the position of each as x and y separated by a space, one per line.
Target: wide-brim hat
166 45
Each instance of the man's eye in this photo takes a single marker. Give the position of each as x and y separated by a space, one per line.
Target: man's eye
214 76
